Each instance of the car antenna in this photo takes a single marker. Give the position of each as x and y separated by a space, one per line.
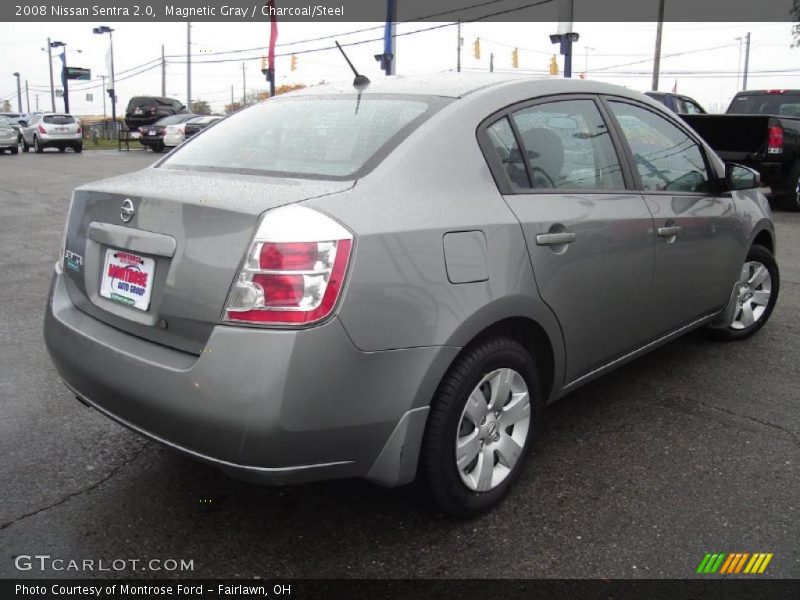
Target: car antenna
361 82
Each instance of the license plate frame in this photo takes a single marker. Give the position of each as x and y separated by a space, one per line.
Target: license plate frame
127 278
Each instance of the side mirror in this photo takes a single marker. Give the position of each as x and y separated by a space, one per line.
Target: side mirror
738 177
23 122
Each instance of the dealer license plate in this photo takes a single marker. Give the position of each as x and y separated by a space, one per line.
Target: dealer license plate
128 278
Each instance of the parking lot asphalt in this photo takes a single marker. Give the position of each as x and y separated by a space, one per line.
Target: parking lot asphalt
694 448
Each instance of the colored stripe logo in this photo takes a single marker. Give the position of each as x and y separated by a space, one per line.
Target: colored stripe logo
734 563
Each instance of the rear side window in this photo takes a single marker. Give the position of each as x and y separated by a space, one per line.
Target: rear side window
666 158
568 146
690 108
308 136
58 119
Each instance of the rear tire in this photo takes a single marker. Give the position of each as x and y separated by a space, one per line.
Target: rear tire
485 416
2 150
25 147
78 148
758 290
15 150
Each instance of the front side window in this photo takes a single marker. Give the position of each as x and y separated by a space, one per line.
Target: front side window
690 108
568 146
666 158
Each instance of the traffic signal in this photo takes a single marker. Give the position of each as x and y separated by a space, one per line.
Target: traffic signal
515 58
476 48
553 66
110 93
293 64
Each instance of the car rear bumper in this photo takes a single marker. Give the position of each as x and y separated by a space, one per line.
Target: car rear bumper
68 139
173 139
272 406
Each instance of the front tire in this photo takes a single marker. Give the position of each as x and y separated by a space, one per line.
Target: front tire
37 146
757 293
15 150
484 418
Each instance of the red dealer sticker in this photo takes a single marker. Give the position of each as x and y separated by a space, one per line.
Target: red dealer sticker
128 278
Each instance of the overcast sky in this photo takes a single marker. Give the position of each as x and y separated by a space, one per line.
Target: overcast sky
708 67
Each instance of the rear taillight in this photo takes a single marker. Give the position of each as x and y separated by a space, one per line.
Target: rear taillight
79 129
42 129
775 140
294 270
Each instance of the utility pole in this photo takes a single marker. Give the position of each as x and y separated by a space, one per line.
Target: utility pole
746 60
189 65
657 57
244 86
50 64
163 73
491 62
27 97
65 77
37 102
231 93
458 52
103 77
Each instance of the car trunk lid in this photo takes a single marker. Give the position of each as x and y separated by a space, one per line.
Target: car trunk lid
184 233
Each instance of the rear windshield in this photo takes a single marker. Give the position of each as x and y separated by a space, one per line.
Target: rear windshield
330 137
58 119
787 105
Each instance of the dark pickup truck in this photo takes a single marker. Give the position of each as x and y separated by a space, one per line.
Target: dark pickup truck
761 130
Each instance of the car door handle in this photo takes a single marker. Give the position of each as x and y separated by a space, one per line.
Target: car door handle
669 231
554 239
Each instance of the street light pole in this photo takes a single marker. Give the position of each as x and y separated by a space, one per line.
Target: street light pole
746 60
657 57
50 65
27 97
19 93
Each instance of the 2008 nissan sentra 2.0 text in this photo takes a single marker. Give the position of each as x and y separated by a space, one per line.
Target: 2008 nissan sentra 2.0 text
392 284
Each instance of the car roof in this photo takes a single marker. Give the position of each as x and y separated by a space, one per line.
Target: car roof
459 85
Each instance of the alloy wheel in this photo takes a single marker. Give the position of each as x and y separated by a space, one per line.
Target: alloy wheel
492 430
755 289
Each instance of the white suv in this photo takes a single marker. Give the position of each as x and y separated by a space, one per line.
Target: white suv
52 130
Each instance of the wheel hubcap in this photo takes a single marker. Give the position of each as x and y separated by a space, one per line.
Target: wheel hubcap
493 429
755 289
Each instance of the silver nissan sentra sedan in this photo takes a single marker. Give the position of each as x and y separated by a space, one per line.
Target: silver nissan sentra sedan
391 284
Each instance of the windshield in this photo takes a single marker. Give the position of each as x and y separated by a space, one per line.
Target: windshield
787 105
173 120
5 123
323 136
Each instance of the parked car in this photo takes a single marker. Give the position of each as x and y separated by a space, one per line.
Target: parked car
683 105
392 284
52 130
761 130
8 137
155 136
17 121
177 133
146 110
198 124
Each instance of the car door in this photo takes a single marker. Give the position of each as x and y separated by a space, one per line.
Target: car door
589 234
27 132
695 221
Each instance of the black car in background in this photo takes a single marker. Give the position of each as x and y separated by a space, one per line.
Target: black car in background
146 110
760 130
152 136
